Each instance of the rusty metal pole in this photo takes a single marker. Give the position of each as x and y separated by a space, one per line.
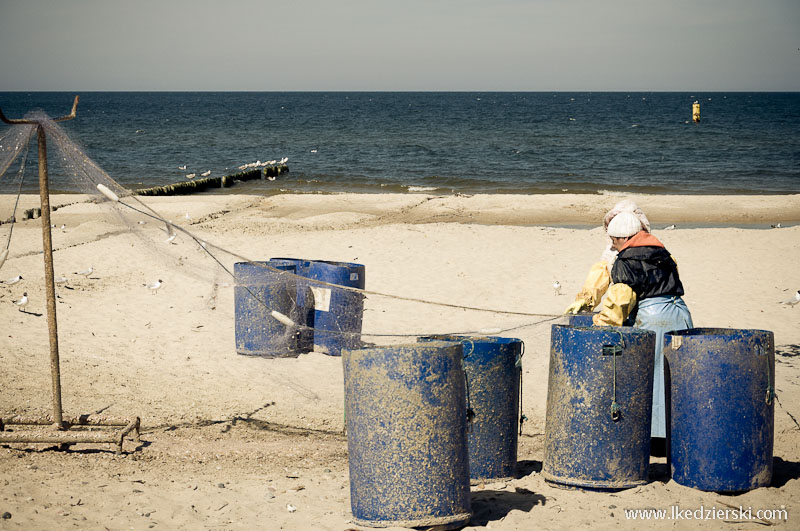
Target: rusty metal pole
65 437
47 243
49 278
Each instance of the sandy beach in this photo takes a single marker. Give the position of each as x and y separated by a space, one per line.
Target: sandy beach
231 442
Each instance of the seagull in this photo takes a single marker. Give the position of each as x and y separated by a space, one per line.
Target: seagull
22 302
284 160
60 280
776 226
205 173
86 272
794 300
670 227
187 217
63 226
182 167
191 176
12 281
557 287
154 286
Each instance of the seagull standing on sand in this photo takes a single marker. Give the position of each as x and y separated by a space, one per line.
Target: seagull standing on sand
557 287
155 285
794 300
12 281
671 227
85 272
22 302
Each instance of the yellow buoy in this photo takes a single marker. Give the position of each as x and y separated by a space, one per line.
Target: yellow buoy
696 112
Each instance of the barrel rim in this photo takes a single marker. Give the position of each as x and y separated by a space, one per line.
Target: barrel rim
338 264
419 522
594 483
707 487
720 332
459 338
634 330
426 345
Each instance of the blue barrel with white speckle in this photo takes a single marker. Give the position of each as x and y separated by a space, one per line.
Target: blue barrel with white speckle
493 366
720 385
407 435
260 290
599 398
338 313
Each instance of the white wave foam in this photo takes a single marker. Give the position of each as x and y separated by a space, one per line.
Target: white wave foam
422 188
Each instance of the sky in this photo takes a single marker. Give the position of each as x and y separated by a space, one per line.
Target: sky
400 45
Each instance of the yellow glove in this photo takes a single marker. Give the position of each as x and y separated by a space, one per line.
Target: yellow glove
594 287
578 306
617 306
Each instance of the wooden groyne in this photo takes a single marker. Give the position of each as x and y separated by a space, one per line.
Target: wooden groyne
35 213
198 185
182 188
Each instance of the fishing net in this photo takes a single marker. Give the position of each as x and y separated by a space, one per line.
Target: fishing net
279 308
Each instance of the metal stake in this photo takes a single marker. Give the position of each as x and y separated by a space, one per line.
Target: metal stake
50 289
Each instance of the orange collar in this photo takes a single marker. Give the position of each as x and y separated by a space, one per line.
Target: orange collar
642 239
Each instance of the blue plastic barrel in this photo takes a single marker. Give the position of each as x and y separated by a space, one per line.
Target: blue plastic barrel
581 319
304 299
599 396
257 293
407 435
720 387
338 313
494 372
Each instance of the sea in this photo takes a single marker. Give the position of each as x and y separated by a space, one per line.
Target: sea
431 142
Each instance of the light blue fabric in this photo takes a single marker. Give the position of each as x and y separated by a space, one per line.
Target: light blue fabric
661 315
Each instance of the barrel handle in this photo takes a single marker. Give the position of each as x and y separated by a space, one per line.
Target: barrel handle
770 393
614 351
518 365
470 411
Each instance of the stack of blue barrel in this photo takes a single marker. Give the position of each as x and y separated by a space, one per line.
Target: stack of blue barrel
320 316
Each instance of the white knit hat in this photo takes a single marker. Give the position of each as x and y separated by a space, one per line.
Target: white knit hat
624 225
627 205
